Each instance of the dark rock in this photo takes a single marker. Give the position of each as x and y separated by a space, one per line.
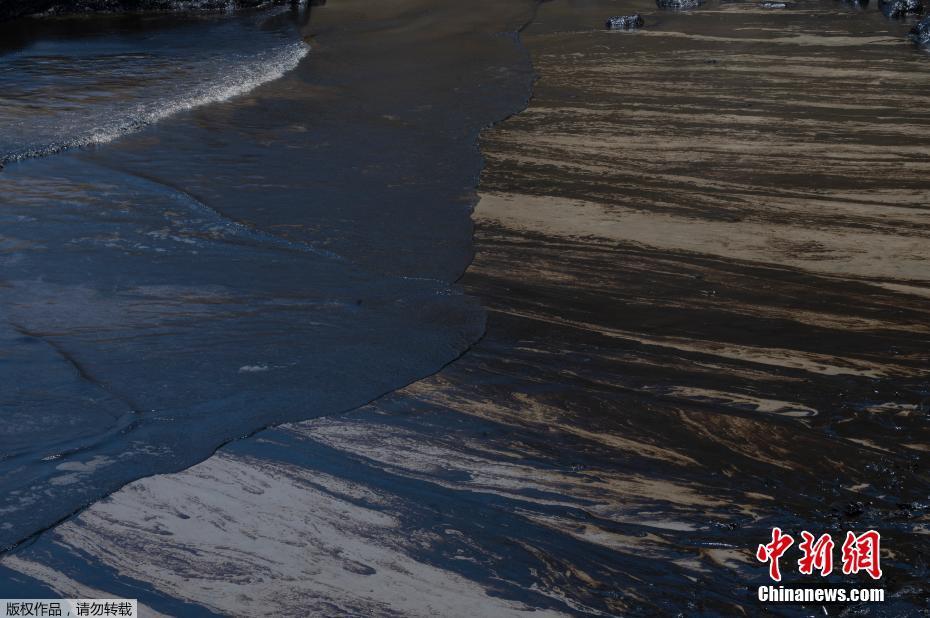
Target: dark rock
854 509
901 8
920 33
12 9
625 22
679 4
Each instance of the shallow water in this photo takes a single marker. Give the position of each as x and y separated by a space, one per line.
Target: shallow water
58 93
224 255
703 252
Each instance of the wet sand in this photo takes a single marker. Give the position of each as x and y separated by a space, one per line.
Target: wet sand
703 252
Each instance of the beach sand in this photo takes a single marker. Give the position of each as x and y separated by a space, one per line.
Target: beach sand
703 249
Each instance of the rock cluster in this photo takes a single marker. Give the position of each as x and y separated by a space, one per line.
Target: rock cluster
920 33
901 8
11 9
679 4
625 22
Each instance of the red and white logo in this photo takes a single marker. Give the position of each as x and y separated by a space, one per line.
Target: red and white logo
859 553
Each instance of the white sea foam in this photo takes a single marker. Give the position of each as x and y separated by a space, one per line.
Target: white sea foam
235 79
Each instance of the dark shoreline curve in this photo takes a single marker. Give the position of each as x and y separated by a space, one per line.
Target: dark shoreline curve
665 374
444 200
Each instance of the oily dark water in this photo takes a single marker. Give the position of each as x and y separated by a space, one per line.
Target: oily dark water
208 228
66 92
702 252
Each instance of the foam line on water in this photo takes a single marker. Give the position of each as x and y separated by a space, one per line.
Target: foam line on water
265 67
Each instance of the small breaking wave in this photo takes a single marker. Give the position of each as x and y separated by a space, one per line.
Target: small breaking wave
77 124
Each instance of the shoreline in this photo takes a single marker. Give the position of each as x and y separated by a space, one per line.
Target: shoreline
644 404
347 307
